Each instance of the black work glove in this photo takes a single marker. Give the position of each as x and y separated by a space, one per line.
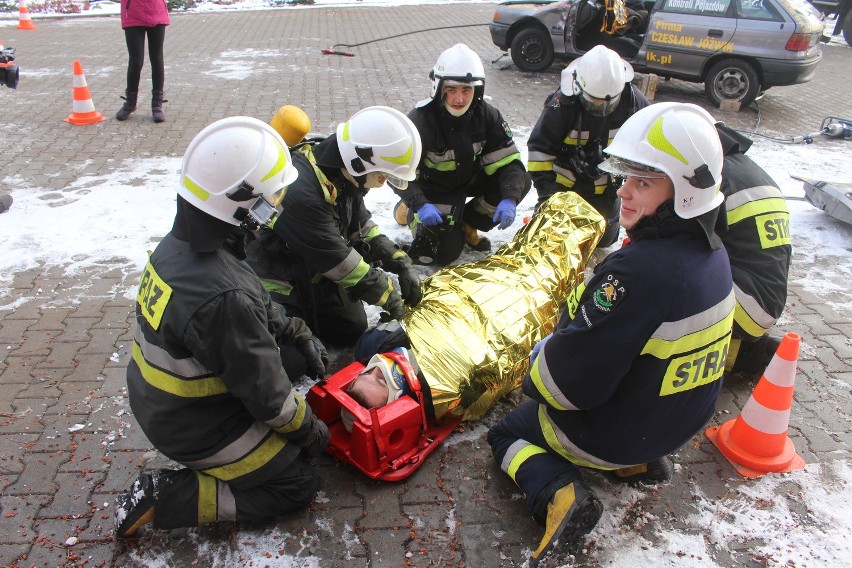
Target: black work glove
317 439
299 335
409 284
377 288
394 305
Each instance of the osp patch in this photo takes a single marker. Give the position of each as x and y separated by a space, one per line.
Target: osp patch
506 129
609 294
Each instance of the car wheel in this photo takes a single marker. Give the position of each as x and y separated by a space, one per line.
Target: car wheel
732 80
532 50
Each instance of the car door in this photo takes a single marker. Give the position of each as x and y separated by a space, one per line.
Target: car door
682 34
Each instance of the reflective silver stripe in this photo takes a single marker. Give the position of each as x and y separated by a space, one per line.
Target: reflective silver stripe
612 133
499 154
573 136
159 357
287 412
539 157
234 451
572 448
564 172
344 268
548 383
513 450
226 505
752 194
754 310
674 330
435 158
477 148
363 231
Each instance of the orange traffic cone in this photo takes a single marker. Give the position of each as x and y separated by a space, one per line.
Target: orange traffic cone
24 20
82 109
756 442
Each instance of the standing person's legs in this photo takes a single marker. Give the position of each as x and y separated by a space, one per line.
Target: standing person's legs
156 38
135 39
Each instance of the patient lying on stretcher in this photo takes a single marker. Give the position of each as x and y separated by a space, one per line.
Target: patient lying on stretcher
381 382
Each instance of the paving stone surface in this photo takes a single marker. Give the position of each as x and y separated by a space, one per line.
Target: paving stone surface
68 442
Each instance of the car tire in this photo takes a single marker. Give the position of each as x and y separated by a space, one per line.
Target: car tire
847 28
532 49
732 80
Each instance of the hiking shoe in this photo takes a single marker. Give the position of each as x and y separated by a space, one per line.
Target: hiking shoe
655 471
400 213
135 508
573 512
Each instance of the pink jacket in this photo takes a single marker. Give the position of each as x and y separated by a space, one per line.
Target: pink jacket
144 13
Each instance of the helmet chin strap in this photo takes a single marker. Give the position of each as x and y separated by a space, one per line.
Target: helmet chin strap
457 113
358 181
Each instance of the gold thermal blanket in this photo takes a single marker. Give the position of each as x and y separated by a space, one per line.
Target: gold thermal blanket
477 323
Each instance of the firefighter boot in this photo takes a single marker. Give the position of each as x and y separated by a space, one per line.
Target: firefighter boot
572 512
474 240
400 213
157 101
135 508
651 473
753 358
129 105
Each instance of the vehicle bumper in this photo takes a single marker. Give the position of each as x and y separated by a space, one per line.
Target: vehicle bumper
500 35
777 73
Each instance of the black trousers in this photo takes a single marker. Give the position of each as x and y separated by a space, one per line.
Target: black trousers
135 38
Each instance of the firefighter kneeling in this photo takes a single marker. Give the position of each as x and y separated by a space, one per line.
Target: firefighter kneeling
206 381
631 371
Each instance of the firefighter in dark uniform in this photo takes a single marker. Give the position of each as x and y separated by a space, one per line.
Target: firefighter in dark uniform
206 382
468 151
760 248
632 370
578 121
324 254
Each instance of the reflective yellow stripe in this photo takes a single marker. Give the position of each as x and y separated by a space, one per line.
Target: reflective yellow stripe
258 458
372 233
573 301
298 418
539 166
356 275
277 286
196 189
562 180
754 208
545 385
402 159
522 456
553 441
280 163
747 324
449 166
657 139
188 388
491 168
207 505
696 369
693 332
153 296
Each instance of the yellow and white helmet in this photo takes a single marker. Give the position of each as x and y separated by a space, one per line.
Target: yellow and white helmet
678 140
380 139
235 169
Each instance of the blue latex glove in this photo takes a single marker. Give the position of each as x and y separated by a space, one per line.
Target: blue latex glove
504 215
429 215
537 347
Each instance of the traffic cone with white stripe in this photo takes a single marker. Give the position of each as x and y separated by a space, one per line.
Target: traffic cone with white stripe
756 442
82 108
24 20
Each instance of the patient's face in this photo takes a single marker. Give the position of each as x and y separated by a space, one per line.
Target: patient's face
370 389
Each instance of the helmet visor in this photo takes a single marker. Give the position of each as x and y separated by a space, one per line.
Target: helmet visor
619 167
595 105
397 183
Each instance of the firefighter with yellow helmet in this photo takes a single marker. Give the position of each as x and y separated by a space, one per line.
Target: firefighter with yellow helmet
631 371
206 382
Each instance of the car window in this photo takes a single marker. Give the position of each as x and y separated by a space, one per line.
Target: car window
758 10
699 7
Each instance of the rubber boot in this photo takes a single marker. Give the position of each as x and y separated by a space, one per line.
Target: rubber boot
135 508
651 473
400 213
157 101
572 512
474 240
128 106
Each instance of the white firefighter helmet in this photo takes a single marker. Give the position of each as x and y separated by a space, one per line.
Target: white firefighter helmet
380 139
459 64
235 168
678 140
598 78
